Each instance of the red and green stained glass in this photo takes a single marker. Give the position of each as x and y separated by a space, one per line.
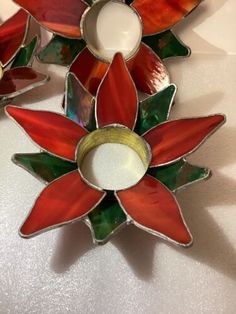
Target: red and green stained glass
150 204
17 76
12 35
146 67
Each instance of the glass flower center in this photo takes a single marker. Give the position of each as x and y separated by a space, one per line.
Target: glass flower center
113 158
109 27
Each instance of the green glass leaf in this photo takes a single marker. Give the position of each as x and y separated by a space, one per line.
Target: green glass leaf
79 103
89 2
44 166
106 218
179 174
167 45
25 56
155 109
61 50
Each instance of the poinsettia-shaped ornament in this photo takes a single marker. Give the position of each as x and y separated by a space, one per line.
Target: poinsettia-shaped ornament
16 73
137 30
161 147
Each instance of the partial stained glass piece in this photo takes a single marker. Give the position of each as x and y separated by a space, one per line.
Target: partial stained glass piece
51 131
43 166
155 109
89 70
61 50
57 16
154 208
25 56
12 35
65 200
117 100
180 174
161 15
79 105
172 140
167 45
148 71
106 218
20 80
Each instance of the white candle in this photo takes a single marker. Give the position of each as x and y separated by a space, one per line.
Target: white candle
113 166
110 27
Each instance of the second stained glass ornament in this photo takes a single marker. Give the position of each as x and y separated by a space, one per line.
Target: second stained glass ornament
16 57
87 34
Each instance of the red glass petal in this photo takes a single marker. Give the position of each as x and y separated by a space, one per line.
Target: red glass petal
148 71
89 70
117 100
49 130
61 17
173 140
161 15
63 201
154 208
12 34
19 80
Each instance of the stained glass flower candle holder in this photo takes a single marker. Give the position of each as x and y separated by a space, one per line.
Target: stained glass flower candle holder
16 73
114 117
87 34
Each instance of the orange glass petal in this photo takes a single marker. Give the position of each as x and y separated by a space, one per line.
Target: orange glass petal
51 131
18 80
89 70
117 100
61 17
148 71
173 140
161 15
64 200
151 205
12 34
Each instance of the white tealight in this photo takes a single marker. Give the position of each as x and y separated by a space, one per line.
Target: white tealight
112 27
113 166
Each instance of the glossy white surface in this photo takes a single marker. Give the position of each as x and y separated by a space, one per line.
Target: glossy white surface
62 272
112 27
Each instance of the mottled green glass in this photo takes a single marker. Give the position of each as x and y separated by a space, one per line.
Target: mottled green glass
44 166
167 45
155 109
89 2
179 174
79 104
106 218
61 50
25 56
